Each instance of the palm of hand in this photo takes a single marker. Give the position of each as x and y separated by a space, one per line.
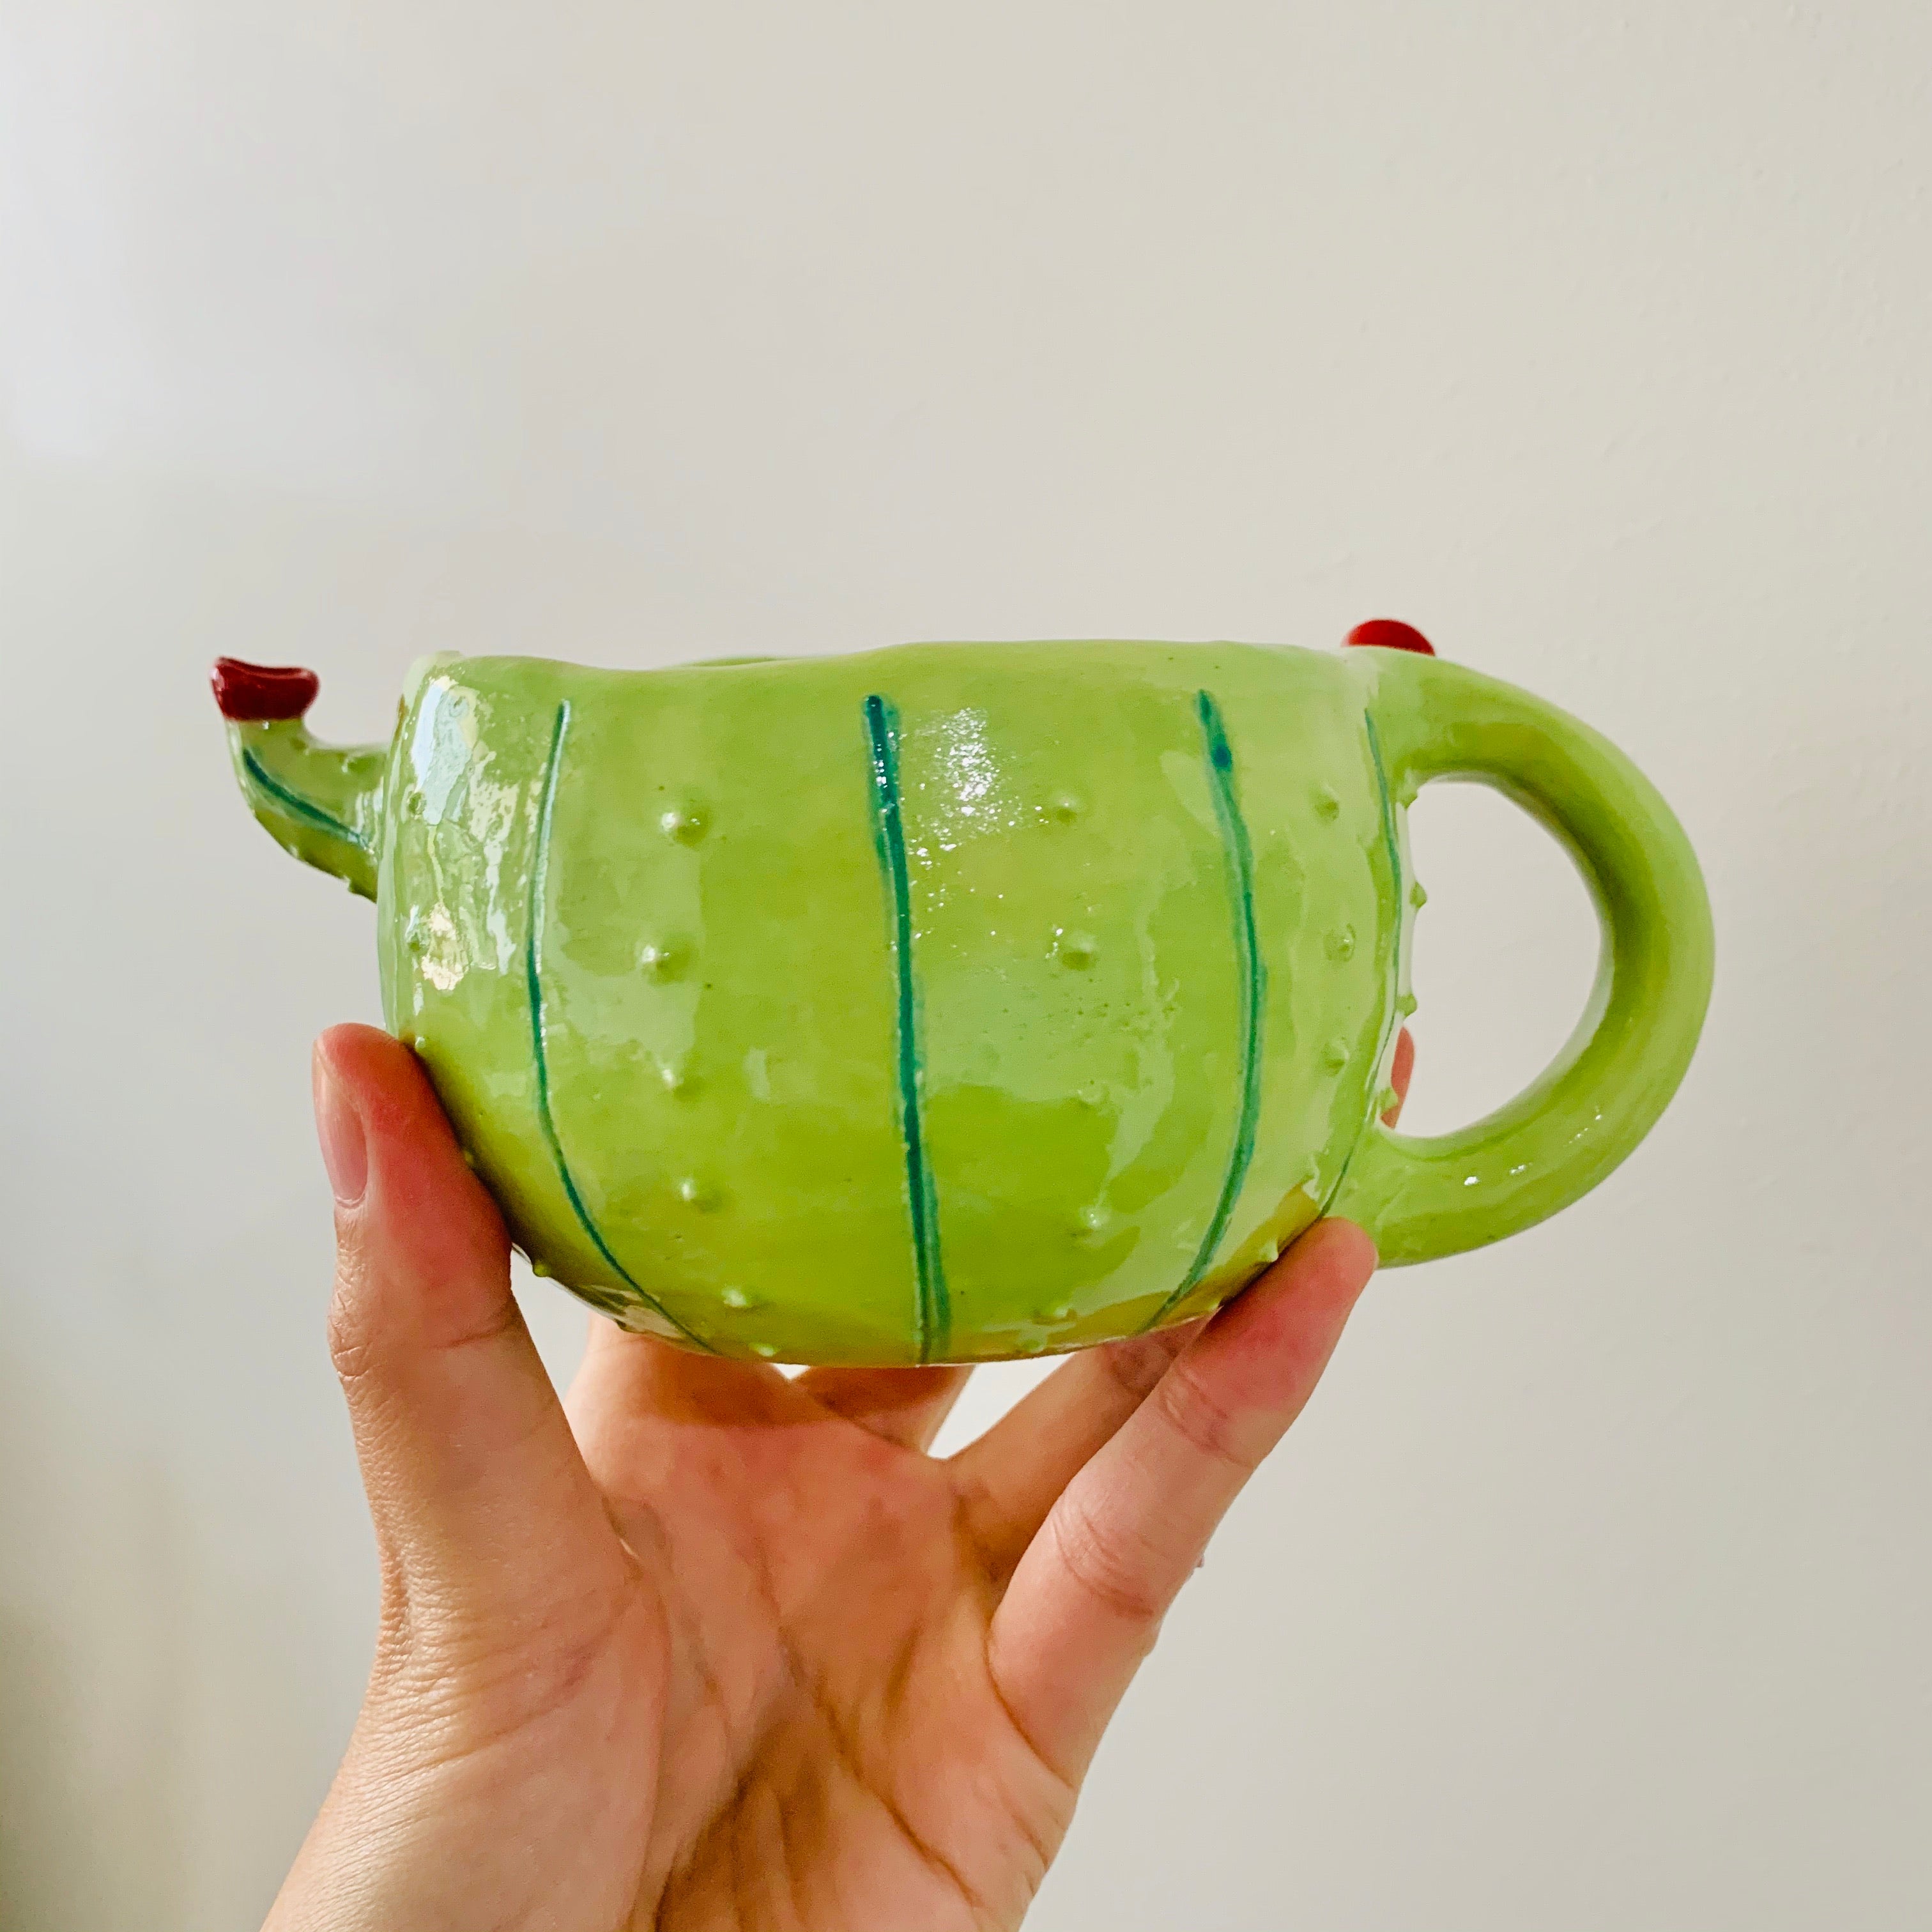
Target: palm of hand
835 1751
721 1651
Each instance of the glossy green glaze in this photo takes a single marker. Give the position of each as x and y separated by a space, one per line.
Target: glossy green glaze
953 1002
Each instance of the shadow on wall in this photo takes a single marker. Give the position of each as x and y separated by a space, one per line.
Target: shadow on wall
186 1573
181 1644
91 1739
78 1848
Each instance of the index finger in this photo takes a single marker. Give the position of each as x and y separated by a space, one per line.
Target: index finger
1086 1603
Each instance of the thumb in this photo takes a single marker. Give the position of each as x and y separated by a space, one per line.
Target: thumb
481 1501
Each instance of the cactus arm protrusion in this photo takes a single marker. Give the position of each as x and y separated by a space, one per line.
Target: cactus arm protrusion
323 803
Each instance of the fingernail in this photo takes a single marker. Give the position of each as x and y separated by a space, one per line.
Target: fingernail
345 1147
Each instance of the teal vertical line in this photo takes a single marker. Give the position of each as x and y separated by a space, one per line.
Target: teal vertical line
1237 854
1392 851
533 974
933 1315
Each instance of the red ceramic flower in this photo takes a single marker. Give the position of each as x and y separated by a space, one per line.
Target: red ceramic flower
252 693
1390 634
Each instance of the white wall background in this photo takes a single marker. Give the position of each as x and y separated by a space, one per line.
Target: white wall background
1594 1592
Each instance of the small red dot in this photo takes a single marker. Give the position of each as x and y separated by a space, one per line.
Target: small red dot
252 694
1390 634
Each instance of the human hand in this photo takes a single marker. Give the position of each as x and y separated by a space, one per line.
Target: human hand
703 1648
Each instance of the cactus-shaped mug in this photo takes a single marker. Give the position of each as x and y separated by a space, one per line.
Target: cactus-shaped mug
954 1002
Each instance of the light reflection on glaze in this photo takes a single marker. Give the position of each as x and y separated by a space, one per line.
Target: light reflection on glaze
441 960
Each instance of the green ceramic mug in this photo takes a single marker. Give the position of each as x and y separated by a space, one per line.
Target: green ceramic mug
954 1002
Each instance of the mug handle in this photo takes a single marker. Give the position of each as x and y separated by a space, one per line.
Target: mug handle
1422 1196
